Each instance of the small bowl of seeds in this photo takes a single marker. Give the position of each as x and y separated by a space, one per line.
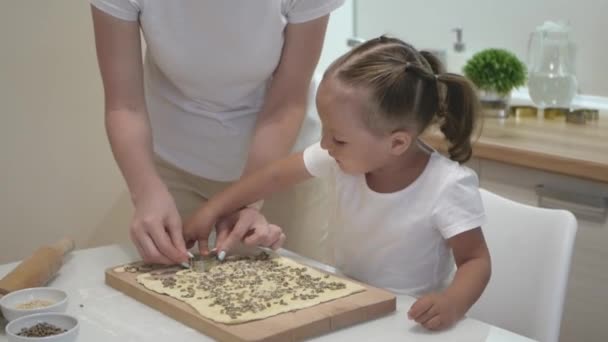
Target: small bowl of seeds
33 300
47 327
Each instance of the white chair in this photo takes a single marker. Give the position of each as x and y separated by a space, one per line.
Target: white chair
531 249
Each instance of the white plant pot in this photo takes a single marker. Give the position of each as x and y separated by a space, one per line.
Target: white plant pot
494 104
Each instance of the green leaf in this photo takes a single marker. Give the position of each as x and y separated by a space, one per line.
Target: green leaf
496 70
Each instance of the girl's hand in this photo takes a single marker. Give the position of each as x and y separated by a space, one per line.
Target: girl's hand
247 226
199 226
156 228
435 311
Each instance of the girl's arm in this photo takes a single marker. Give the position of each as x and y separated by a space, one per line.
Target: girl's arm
474 269
270 179
438 311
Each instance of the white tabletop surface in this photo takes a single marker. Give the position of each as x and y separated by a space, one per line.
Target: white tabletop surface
106 314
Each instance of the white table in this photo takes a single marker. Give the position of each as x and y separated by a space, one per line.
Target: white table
108 315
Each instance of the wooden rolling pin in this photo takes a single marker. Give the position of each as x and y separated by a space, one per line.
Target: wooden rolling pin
37 269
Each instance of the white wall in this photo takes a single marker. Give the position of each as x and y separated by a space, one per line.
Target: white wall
339 29
57 175
494 23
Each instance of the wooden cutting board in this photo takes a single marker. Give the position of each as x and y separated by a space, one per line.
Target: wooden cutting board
290 326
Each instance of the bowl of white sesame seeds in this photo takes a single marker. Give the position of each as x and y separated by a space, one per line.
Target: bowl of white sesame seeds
33 300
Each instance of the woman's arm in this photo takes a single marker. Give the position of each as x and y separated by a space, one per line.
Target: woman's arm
128 128
119 56
284 108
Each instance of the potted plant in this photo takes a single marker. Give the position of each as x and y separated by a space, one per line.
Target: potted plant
495 72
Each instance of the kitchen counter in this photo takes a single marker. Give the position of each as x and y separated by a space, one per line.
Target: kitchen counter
548 145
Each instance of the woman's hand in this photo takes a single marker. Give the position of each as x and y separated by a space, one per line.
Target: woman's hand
156 228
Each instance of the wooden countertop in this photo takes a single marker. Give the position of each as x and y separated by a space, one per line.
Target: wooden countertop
548 145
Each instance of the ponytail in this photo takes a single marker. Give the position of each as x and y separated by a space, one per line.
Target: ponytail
458 111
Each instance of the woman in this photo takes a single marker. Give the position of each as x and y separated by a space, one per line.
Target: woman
222 92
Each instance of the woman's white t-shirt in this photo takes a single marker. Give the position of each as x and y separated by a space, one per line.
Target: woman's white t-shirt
398 241
208 65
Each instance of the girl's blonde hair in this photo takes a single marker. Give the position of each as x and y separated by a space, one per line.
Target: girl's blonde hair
409 88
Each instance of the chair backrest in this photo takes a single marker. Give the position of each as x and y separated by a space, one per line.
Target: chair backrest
531 249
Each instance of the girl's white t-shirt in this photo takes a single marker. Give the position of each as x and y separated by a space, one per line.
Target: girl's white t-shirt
398 241
207 68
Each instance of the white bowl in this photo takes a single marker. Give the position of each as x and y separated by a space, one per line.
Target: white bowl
11 301
60 320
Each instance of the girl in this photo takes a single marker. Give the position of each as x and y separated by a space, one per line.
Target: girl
400 206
